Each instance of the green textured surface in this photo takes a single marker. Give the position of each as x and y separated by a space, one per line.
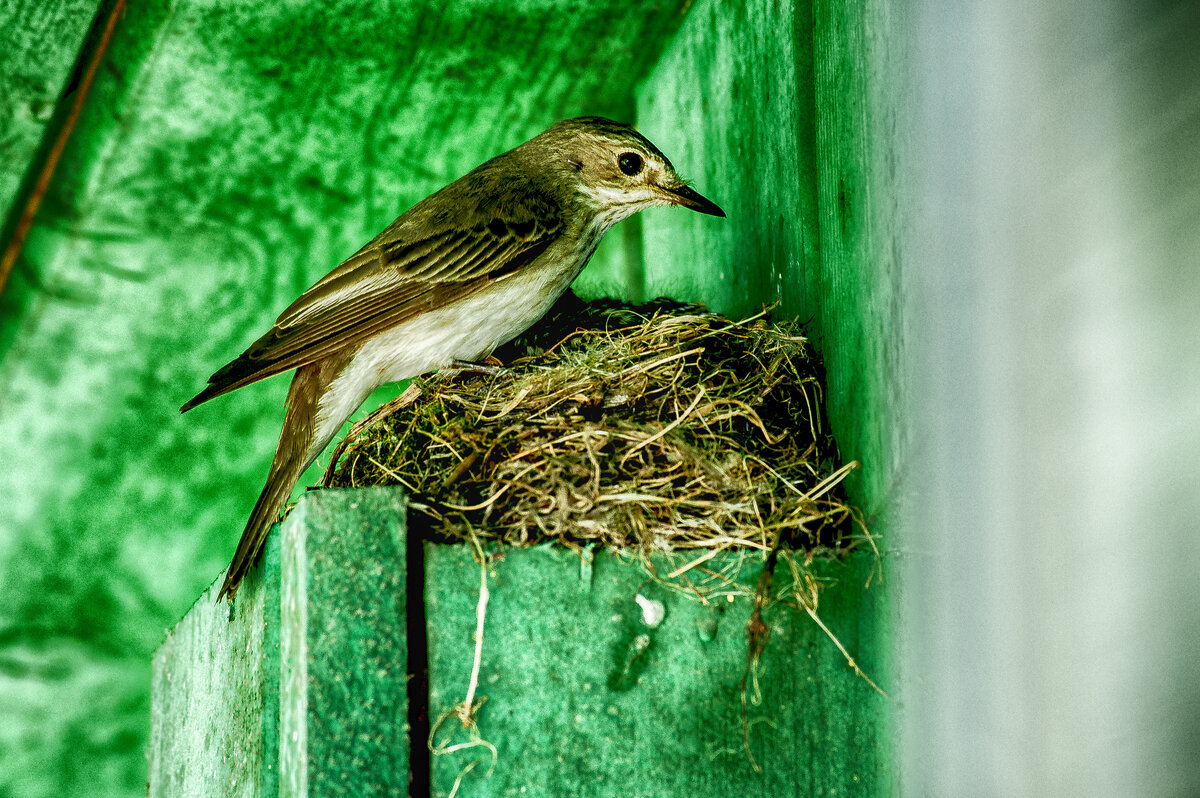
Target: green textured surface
230 154
300 687
214 726
573 708
861 91
795 105
737 82
39 42
233 152
792 107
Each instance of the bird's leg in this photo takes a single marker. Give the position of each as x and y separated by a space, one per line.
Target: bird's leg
491 367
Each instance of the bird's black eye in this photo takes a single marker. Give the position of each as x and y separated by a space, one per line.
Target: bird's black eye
630 163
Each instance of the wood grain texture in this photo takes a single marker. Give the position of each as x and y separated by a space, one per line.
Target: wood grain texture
789 114
585 698
731 103
861 71
214 726
794 112
343 648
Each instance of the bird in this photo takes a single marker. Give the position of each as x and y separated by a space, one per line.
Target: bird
463 271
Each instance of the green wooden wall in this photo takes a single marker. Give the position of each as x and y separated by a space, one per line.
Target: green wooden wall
794 110
232 152
797 109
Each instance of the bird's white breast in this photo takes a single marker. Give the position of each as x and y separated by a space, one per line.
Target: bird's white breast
466 330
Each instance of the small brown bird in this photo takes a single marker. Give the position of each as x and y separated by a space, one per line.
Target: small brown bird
464 270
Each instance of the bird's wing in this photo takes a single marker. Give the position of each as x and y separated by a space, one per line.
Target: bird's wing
392 279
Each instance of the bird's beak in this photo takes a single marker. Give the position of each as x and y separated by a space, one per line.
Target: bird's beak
690 198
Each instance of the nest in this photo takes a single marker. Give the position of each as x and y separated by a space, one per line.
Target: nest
650 428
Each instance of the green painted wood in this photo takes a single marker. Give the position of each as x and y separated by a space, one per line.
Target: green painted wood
733 97
585 698
214 726
793 108
861 94
786 115
300 687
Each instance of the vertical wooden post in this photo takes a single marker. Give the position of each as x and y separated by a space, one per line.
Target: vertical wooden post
299 687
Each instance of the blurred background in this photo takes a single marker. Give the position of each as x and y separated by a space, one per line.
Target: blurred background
990 218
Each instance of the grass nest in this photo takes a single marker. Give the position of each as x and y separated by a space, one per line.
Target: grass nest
658 427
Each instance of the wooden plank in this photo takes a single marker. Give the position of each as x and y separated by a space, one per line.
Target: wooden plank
730 102
787 111
861 94
583 697
786 115
215 694
300 687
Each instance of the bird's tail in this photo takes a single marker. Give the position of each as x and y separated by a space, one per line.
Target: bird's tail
274 494
299 444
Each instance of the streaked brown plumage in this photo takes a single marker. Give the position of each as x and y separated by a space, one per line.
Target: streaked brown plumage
461 272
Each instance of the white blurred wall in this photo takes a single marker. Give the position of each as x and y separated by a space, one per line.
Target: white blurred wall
1053 595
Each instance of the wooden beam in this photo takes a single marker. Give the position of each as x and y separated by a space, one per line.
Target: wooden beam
300 686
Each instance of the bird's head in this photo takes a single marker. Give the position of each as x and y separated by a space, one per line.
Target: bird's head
616 170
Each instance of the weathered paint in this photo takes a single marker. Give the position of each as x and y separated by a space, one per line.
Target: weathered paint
584 697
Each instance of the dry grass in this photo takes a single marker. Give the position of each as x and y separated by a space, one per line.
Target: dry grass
660 428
